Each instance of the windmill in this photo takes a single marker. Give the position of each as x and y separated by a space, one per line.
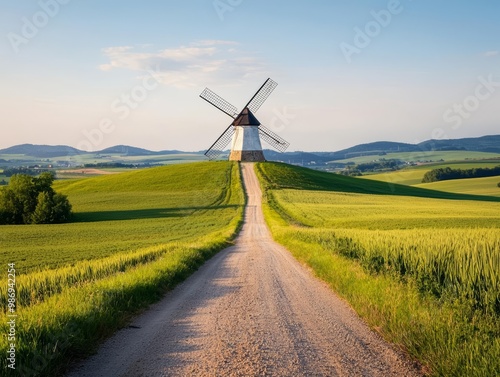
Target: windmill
245 132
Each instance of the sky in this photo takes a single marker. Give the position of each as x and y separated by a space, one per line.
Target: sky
98 73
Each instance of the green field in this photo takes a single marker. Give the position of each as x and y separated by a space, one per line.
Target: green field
94 158
476 186
429 156
134 236
121 213
421 266
64 164
385 212
404 177
414 175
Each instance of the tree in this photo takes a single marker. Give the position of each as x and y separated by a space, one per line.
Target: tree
19 199
61 208
43 210
29 200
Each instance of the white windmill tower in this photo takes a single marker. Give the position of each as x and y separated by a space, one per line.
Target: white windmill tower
245 131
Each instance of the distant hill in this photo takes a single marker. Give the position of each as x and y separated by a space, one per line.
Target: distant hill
42 151
50 151
489 144
479 144
375 148
292 157
127 150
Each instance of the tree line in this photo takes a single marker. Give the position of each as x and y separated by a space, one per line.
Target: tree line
443 174
9 172
110 165
358 170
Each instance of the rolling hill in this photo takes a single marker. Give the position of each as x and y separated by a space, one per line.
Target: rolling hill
421 266
487 144
47 151
41 151
134 236
284 176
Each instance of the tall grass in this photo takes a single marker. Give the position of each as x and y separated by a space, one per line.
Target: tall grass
35 287
450 263
446 335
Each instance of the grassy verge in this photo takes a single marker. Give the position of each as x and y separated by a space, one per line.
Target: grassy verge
71 324
451 333
63 313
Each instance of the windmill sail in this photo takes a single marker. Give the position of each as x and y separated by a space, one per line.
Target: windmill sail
262 94
219 102
273 139
220 144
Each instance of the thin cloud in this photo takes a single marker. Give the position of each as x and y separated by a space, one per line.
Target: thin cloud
214 42
200 63
490 54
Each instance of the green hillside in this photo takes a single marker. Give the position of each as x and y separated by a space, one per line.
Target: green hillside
426 156
280 176
476 186
135 236
420 266
123 212
414 175
408 177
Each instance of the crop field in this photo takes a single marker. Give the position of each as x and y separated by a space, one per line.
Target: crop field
135 235
440 255
429 156
375 212
414 175
476 186
121 213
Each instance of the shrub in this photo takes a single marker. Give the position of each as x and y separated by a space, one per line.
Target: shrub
29 200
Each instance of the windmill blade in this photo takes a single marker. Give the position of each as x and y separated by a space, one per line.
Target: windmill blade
262 94
220 144
219 103
273 139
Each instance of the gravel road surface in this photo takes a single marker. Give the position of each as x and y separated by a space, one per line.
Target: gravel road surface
252 310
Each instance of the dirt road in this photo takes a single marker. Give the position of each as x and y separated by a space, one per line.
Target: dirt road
252 310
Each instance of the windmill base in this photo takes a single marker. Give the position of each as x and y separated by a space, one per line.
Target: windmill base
247 156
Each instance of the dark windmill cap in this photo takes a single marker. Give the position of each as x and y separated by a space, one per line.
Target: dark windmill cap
246 118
